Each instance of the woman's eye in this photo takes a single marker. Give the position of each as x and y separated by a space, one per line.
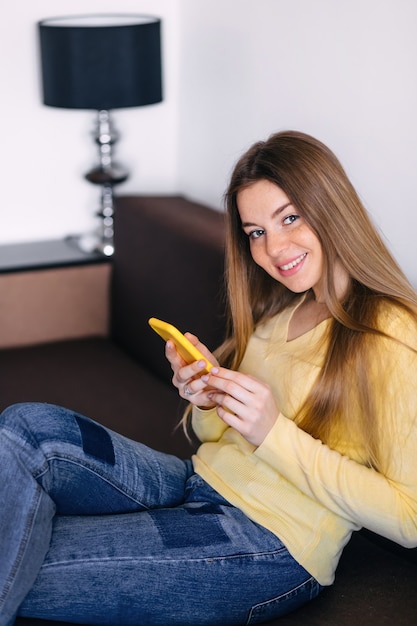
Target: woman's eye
290 219
255 234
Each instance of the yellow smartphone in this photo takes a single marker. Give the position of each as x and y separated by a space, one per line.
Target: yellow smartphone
184 346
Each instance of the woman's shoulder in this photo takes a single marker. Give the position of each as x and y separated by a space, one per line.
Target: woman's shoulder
398 322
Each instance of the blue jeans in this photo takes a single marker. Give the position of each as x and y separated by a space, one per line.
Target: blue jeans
98 529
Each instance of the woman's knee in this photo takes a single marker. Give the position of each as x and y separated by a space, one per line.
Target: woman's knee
37 420
19 412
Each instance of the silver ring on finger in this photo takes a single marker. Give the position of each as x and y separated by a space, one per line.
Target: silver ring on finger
187 391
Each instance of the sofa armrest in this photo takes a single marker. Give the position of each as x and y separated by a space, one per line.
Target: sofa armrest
168 263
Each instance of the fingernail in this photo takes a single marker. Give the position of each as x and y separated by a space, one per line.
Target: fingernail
214 370
202 364
205 378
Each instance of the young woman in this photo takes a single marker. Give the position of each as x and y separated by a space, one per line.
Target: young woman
308 431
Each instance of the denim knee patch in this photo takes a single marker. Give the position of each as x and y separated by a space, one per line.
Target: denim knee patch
200 528
96 440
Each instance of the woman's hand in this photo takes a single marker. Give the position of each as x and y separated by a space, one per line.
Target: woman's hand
187 378
243 402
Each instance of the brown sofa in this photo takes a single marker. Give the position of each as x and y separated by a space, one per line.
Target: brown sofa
169 263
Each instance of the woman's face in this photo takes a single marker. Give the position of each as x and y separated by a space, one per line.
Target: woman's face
281 242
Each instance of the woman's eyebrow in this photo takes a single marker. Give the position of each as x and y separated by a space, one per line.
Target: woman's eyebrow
274 214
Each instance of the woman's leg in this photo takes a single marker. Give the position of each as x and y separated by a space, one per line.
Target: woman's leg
200 563
55 462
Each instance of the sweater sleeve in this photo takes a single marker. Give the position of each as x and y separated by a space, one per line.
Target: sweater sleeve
207 425
385 503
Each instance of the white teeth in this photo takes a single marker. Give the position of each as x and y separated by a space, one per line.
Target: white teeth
289 266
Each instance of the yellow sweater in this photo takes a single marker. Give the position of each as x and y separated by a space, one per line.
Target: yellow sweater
310 495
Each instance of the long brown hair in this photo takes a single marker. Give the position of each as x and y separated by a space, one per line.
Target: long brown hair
317 185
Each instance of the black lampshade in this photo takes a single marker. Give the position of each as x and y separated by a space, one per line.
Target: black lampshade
101 61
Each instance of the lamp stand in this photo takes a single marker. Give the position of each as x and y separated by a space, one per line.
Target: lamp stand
107 174
100 63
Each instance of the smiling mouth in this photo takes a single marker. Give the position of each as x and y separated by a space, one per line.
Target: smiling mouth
297 261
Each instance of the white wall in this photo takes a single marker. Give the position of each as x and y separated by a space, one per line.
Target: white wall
344 71
234 71
46 151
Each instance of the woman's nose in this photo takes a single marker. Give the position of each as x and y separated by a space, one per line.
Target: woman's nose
276 242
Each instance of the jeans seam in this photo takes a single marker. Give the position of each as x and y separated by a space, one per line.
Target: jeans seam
283 596
170 561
